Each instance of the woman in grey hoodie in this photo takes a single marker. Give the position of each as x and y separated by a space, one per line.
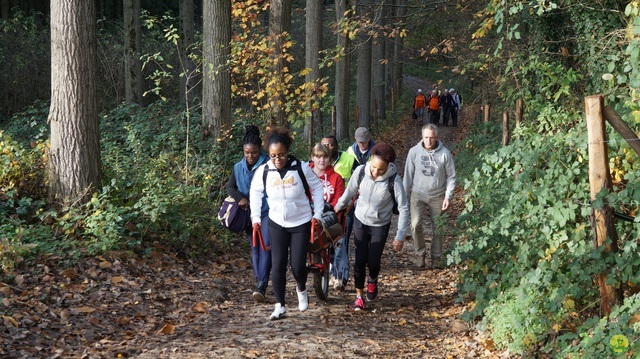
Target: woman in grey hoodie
379 189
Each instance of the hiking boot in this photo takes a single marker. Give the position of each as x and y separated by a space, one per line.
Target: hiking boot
279 312
358 304
258 294
372 289
303 300
338 285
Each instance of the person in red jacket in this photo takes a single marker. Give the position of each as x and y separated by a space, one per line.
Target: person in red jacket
332 182
420 105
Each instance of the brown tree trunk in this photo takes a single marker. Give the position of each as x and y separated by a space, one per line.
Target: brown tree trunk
363 89
74 154
313 46
342 80
398 54
279 29
188 87
378 66
216 89
132 46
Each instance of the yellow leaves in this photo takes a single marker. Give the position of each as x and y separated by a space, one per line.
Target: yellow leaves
484 29
9 321
305 71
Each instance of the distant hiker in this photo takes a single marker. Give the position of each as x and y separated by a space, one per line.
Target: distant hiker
434 107
446 102
376 202
429 180
420 106
457 105
238 188
343 164
287 184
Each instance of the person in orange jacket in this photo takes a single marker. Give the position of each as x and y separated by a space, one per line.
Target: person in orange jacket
420 105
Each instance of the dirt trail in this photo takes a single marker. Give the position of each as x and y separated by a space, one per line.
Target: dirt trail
162 307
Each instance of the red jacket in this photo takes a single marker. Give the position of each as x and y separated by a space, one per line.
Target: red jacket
333 185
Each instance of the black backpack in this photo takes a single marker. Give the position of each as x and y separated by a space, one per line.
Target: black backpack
390 187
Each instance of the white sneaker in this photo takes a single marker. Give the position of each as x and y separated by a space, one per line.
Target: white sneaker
279 312
303 300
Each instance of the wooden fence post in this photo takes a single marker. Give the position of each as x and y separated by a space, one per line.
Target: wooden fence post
505 128
519 112
599 179
487 114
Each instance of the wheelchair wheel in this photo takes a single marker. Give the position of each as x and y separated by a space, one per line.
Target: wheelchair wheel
321 276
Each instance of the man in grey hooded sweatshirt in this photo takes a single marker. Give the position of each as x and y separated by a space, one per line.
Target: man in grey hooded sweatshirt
429 180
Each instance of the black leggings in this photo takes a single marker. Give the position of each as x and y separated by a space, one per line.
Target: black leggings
369 242
296 238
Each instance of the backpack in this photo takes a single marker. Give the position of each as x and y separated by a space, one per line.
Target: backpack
233 217
390 187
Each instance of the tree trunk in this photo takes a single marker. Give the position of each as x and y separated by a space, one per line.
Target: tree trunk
398 55
279 29
132 46
363 90
216 89
188 82
313 47
342 80
378 66
74 154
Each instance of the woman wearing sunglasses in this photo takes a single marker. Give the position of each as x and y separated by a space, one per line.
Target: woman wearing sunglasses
286 182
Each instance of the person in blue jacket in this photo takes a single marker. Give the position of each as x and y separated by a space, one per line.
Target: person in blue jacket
238 187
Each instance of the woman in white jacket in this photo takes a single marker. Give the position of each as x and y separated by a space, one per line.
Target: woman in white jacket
287 183
380 189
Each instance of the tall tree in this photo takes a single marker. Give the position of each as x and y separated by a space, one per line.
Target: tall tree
342 80
279 29
399 22
132 46
378 62
74 154
313 47
216 86
188 81
363 89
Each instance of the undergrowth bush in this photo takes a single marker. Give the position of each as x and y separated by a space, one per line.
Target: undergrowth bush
526 254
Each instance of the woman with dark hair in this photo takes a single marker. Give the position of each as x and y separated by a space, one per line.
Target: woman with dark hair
379 189
287 184
238 188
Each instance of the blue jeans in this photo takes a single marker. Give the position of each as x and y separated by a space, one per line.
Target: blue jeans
261 259
340 260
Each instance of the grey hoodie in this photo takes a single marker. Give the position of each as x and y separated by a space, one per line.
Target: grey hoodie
429 173
375 206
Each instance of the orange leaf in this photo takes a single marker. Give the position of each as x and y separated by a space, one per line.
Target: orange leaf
167 329
117 279
634 319
200 307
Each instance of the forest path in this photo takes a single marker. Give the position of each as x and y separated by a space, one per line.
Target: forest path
164 307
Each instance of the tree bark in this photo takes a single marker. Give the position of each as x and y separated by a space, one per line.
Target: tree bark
363 90
132 46
398 54
342 79
188 82
313 47
74 154
216 93
378 65
279 29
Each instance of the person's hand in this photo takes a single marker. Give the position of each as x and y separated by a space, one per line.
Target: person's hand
243 203
256 226
445 204
397 245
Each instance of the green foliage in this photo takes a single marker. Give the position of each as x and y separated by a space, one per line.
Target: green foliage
528 264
